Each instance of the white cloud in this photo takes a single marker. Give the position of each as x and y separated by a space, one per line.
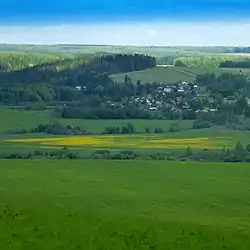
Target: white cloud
147 33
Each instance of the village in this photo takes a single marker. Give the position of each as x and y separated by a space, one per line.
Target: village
178 97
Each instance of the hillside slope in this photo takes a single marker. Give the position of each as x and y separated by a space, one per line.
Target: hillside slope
164 75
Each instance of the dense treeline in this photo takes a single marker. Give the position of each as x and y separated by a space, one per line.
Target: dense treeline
209 61
104 112
235 64
17 61
237 154
59 79
127 111
121 63
225 84
78 71
54 128
46 72
167 60
97 90
241 50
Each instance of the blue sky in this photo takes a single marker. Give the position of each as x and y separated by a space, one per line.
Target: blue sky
64 10
137 22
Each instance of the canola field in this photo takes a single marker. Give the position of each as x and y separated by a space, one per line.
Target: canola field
124 142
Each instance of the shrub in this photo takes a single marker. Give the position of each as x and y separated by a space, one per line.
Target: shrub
174 127
200 124
36 106
158 130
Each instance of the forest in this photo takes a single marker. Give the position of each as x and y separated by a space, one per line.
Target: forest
214 61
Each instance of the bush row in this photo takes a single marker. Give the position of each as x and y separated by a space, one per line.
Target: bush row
237 154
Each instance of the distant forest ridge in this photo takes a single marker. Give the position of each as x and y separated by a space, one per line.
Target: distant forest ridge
151 50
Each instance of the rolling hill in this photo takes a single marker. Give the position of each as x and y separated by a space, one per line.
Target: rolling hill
164 75
167 74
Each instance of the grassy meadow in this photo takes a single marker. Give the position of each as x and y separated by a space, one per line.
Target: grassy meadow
99 204
164 75
169 74
19 118
212 138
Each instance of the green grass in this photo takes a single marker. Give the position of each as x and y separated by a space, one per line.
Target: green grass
168 75
123 205
165 75
18 118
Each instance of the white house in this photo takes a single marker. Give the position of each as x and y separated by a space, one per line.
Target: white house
168 90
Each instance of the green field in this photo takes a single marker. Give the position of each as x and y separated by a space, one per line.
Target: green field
123 205
168 75
212 138
18 118
165 75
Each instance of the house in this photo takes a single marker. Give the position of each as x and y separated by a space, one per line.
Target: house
168 90
153 108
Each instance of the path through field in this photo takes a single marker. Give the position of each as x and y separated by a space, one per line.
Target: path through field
184 72
176 69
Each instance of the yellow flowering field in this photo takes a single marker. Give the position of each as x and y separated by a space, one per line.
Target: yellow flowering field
124 141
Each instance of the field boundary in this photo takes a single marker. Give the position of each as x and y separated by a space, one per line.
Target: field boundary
184 72
176 69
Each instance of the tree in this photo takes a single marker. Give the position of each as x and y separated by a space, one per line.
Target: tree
174 127
248 148
131 128
247 112
125 130
200 124
240 152
196 103
241 105
158 130
179 63
189 151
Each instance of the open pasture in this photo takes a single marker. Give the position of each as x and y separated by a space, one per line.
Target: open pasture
169 74
98 204
20 119
164 75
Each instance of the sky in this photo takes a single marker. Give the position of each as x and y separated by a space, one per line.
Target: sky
126 22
